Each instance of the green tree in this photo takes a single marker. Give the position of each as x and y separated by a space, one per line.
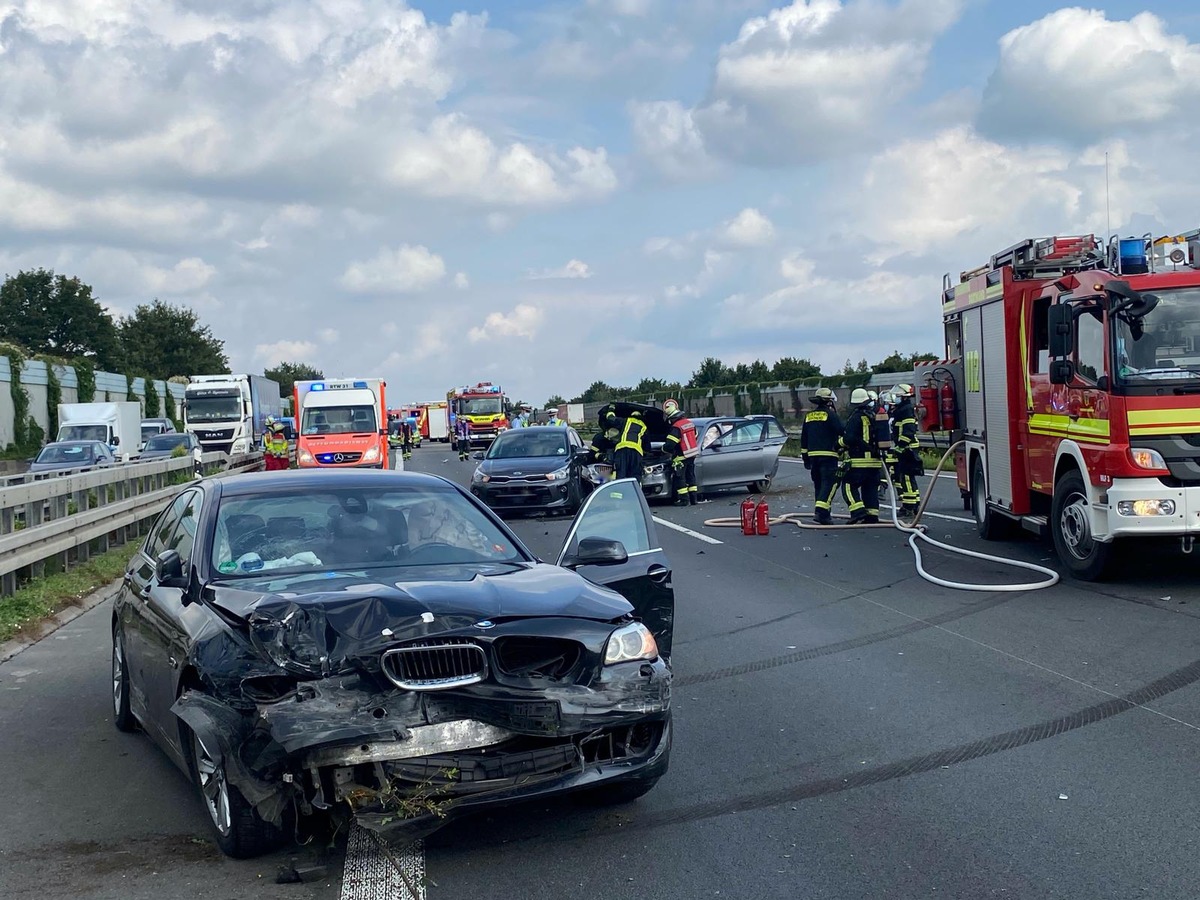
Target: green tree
555 401
48 313
915 358
791 369
712 373
851 369
286 374
896 362
597 392
167 340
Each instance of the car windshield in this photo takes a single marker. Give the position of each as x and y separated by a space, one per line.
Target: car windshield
214 409
70 454
83 433
339 420
526 445
167 442
148 431
1165 344
351 529
481 406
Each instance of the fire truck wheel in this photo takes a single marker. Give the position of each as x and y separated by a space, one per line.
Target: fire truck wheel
991 525
1086 558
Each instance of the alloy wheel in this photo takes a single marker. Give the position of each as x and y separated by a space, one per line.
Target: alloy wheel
213 786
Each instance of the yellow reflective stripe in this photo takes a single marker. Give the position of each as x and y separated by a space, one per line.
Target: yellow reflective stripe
1163 421
821 453
1089 431
1025 364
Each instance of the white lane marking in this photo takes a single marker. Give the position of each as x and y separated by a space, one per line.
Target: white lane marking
935 515
697 535
375 871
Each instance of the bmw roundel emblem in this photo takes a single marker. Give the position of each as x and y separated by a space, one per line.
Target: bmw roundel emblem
486 623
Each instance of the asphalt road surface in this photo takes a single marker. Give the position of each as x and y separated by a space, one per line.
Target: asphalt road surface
843 730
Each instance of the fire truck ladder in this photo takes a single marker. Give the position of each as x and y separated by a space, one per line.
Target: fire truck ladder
1050 257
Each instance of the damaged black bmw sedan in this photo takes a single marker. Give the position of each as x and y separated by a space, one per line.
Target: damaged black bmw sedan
379 646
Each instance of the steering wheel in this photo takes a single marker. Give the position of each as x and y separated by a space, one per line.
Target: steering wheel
433 548
259 540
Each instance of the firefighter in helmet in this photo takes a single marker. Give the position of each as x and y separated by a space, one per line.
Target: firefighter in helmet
683 448
819 438
862 448
908 458
629 453
275 448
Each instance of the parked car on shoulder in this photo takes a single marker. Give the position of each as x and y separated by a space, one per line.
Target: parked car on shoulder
380 648
162 446
539 467
64 455
151 427
735 451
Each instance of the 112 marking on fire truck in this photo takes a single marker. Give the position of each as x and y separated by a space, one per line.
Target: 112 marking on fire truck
1072 378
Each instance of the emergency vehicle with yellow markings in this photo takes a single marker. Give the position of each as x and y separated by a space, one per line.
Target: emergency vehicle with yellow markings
1072 376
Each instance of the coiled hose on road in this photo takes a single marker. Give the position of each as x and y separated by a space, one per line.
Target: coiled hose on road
915 532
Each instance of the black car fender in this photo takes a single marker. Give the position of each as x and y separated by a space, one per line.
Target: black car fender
253 763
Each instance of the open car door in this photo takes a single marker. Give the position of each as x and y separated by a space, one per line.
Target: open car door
613 542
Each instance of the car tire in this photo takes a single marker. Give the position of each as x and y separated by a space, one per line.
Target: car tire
123 717
240 832
1085 558
616 794
760 487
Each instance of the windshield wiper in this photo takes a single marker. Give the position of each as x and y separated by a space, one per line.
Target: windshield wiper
1174 370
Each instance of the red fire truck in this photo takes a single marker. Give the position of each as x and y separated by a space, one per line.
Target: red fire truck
484 406
1073 378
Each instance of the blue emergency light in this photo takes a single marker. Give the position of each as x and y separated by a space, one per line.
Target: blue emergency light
316 387
1133 256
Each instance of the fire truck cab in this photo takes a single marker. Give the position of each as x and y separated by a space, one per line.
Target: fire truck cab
1072 377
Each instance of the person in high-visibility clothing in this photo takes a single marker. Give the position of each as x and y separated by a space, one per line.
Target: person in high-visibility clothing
629 454
865 463
683 447
275 448
819 438
908 458
462 435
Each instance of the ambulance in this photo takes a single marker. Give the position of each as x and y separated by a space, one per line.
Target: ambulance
341 424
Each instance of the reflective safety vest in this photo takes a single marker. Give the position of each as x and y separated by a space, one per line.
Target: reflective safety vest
275 445
689 444
631 435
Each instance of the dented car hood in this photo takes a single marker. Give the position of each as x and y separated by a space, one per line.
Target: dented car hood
316 624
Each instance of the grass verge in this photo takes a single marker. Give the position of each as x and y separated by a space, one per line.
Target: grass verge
43 597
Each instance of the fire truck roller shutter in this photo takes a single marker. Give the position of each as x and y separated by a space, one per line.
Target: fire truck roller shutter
995 393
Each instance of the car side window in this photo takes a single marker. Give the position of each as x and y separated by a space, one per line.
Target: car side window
160 534
775 430
748 433
184 538
711 434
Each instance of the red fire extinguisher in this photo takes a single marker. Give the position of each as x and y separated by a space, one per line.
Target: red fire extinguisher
929 406
762 518
747 516
949 406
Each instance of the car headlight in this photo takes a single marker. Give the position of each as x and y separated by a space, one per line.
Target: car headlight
630 643
656 469
1145 458
1146 507
372 455
559 474
305 457
477 477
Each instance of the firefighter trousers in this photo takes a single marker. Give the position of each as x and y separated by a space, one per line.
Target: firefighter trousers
908 468
628 463
863 488
824 479
684 481
464 447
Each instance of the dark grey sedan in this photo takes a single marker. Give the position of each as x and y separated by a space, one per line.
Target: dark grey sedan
60 456
162 446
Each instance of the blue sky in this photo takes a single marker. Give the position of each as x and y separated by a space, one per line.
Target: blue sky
547 194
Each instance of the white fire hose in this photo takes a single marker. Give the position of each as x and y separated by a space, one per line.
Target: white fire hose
916 532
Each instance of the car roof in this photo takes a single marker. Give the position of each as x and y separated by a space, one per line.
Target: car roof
73 444
556 429
265 482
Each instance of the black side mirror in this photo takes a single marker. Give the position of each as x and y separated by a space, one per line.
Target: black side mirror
597 551
1062 331
168 570
1061 371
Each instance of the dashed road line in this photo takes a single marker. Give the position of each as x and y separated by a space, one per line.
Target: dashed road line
375 871
697 535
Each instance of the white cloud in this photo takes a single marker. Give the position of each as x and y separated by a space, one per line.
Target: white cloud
461 281
715 266
328 335
1077 75
284 351
749 228
524 321
572 269
406 269
633 8
185 277
665 134
455 159
812 80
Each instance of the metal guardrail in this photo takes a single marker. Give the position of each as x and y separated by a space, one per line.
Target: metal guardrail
56 520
